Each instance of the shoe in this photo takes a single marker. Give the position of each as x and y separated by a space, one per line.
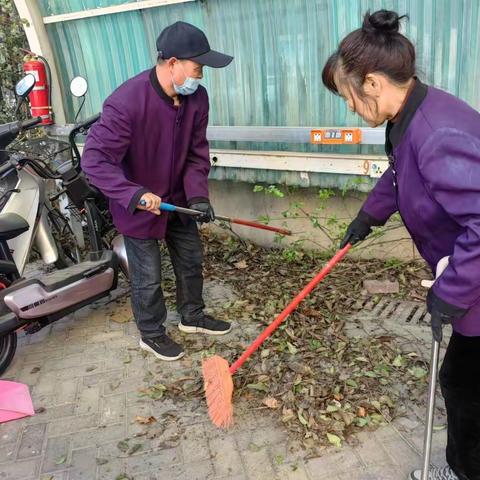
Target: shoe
435 473
163 347
207 324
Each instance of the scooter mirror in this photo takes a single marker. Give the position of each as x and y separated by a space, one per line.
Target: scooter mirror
78 86
25 85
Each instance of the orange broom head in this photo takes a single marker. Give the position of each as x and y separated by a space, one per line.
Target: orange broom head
218 387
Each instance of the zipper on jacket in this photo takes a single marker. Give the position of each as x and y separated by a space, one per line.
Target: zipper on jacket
391 162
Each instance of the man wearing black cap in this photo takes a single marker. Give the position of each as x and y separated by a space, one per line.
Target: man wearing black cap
150 144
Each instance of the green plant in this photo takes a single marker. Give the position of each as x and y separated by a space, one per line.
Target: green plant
12 40
328 224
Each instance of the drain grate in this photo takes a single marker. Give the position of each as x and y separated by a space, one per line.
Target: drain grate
412 313
407 320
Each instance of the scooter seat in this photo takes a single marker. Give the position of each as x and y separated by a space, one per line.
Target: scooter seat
12 225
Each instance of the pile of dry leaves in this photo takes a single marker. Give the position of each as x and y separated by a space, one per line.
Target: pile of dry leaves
323 384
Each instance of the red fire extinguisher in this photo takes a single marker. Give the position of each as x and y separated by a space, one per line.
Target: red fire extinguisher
40 96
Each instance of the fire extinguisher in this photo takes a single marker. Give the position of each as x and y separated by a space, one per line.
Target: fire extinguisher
40 104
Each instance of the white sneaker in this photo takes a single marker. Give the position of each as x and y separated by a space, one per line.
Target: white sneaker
435 473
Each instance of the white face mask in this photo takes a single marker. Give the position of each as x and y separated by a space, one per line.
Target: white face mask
188 87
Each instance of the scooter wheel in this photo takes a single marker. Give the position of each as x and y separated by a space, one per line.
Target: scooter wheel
8 345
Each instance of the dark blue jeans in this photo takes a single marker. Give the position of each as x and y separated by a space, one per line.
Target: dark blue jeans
144 264
460 382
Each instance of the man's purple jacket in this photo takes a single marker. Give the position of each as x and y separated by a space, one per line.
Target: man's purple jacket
434 182
143 143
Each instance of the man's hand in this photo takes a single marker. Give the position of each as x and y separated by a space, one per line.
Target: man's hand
150 202
208 215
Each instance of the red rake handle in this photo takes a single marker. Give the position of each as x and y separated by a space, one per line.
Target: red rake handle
249 223
289 308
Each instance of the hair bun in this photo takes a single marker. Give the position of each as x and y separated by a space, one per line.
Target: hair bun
382 21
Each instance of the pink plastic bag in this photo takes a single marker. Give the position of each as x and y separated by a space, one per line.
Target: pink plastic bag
15 401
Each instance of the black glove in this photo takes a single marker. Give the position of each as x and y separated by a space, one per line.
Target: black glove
208 215
442 313
358 230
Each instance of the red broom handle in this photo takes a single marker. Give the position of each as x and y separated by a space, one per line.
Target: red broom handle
289 308
249 223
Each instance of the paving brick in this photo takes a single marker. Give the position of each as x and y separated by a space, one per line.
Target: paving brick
112 376
333 463
373 473
78 371
258 465
159 458
123 386
19 470
57 450
66 390
292 471
225 456
104 336
31 441
7 451
10 431
194 444
84 464
111 469
113 409
70 361
88 400
199 470
98 436
45 385
72 424
260 437
51 413
403 455
370 451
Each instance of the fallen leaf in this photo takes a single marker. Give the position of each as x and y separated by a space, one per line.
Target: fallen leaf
241 264
292 348
253 447
361 412
135 448
40 410
258 386
114 385
91 368
144 420
302 419
61 460
270 402
123 446
101 461
334 440
127 358
35 370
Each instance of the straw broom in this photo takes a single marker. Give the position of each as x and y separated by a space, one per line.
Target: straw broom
217 374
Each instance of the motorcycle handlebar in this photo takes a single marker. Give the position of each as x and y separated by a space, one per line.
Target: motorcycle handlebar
31 122
5 167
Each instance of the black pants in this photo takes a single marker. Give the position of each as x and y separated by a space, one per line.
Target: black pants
460 382
144 264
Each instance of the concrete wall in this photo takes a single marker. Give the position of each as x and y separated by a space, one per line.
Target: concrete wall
237 199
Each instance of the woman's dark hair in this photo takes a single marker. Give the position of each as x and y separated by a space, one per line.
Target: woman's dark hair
376 47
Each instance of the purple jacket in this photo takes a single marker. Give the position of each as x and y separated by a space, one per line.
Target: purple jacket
434 152
143 143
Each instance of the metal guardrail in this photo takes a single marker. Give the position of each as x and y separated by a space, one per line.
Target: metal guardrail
370 136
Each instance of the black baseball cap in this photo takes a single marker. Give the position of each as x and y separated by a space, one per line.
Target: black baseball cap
187 42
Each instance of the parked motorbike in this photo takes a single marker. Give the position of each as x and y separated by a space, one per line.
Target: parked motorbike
33 303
